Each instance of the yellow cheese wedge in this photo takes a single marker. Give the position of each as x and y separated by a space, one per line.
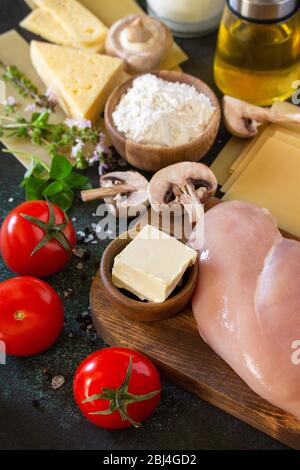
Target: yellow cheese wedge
77 20
44 24
81 80
31 4
249 152
110 11
272 180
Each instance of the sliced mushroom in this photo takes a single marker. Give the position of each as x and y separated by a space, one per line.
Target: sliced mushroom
243 119
127 203
141 41
186 184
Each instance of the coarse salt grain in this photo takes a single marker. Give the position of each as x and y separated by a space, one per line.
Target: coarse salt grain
162 113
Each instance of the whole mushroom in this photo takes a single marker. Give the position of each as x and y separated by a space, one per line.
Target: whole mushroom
243 119
141 41
186 184
126 203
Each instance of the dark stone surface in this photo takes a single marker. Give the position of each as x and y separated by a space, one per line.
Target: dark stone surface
182 421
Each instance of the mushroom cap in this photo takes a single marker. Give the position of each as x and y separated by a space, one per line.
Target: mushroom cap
141 41
161 186
122 202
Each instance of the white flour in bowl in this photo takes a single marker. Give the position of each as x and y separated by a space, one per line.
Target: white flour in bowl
158 112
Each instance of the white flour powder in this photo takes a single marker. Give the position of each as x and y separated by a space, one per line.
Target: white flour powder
158 112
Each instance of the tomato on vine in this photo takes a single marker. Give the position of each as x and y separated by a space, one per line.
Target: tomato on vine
117 388
37 239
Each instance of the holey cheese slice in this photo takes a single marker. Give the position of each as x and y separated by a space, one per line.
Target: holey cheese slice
44 24
82 81
77 20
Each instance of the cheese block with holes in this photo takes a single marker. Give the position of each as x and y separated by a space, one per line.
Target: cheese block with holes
44 24
80 23
81 80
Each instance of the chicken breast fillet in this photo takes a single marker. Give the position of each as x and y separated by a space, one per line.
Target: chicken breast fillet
247 302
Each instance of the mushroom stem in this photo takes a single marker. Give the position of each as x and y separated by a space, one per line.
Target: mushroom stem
101 193
191 201
138 32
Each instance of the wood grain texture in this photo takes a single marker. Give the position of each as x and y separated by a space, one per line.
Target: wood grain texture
153 159
175 346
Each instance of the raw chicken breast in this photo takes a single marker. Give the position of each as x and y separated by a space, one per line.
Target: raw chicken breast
247 302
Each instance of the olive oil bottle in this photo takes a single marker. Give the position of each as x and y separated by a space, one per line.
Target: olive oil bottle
258 51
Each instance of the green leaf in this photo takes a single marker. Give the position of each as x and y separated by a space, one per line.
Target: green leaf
34 188
54 188
64 199
37 169
74 180
60 168
42 118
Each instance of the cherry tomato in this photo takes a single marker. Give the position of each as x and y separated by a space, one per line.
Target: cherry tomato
31 316
36 239
117 388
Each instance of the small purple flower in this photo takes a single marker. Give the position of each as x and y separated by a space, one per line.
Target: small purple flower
31 108
103 167
78 147
79 123
51 96
10 101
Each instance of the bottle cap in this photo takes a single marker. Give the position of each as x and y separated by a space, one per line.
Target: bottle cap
264 10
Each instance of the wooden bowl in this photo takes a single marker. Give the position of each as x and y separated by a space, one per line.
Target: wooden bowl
136 309
153 158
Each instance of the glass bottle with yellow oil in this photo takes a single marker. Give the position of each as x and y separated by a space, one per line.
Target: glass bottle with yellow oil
258 51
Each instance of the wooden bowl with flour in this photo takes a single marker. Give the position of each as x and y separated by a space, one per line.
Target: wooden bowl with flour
152 157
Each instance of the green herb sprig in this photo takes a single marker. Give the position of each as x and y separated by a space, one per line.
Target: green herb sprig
56 183
57 138
25 86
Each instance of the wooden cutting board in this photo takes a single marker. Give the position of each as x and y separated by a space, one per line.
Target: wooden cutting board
179 352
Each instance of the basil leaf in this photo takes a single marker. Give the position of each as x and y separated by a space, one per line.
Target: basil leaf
77 181
53 188
60 167
34 188
64 199
36 169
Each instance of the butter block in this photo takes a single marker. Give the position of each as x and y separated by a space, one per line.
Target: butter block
152 265
77 20
81 80
44 24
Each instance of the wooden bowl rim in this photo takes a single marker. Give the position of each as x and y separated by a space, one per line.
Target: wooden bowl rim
206 89
105 274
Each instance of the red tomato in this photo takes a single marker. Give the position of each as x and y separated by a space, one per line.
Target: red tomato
19 237
31 316
117 388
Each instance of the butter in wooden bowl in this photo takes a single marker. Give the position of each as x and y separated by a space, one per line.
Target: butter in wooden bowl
152 265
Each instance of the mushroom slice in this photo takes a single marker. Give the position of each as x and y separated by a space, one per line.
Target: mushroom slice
186 184
243 119
141 41
126 203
